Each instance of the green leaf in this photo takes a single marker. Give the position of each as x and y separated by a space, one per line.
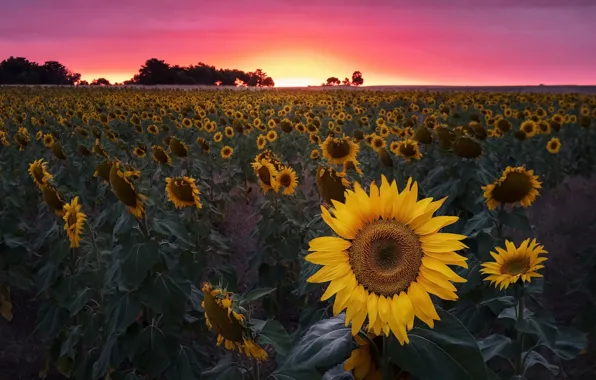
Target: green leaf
103 363
164 295
123 312
448 351
326 344
256 294
570 342
153 350
172 227
80 301
515 218
185 366
495 345
534 358
273 333
136 265
477 223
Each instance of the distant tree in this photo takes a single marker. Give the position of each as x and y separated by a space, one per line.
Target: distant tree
100 82
346 82
357 79
20 70
333 81
268 82
83 83
155 71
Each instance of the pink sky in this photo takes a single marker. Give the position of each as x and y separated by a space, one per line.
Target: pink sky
489 42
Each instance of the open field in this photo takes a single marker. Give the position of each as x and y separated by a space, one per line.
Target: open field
259 234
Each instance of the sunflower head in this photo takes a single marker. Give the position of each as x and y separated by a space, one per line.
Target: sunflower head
385 158
139 151
58 151
513 264
48 140
553 145
226 152
74 219
338 150
125 190
466 147
102 170
423 135
203 144
152 129
516 185
529 127
182 191
178 148
52 199
331 184
387 258
160 155
83 151
38 172
228 320
378 143
408 149
520 135
353 165
265 170
315 154
287 179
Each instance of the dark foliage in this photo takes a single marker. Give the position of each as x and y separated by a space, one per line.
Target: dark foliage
20 70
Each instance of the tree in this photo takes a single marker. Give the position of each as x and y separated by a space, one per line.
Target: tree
333 81
100 82
83 83
357 79
346 82
155 71
20 70
268 82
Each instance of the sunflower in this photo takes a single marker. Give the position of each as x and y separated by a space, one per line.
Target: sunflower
83 151
514 263
39 135
529 127
160 155
226 152
362 363
516 185
48 140
139 151
37 171
271 136
229 132
178 148
267 174
103 170
553 145
217 137
287 178
387 259
225 318
125 190
354 165
314 154
378 143
153 129
261 142
408 149
339 150
331 184
423 135
182 191
73 222
466 147
52 199
203 144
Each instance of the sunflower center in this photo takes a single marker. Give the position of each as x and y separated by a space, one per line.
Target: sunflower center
38 173
264 175
385 257
72 218
553 145
285 180
513 189
183 191
224 325
407 150
516 266
338 148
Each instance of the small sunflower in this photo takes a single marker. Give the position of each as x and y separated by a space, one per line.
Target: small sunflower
362 363
217 137
73 222
553 145
466 147
387 259
226 152
339 150
229 132
160 155
139 151
516 185
265 170
529 127
314 154
125 190
287 178
353 165
178 148
378 143
271 136
58 151
514 263
182 191
225 318
203 144
408 149
37 171
331 184
39 135
261 142
48 140
152 129
52 199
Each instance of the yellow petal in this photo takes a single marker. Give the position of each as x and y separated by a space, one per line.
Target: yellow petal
328 273
327 257
421 299
438 266
335 286
435 224
372 308
329 244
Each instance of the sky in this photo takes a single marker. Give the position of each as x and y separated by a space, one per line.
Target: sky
301 42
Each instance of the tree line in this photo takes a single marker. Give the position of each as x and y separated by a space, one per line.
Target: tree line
357 80
19 70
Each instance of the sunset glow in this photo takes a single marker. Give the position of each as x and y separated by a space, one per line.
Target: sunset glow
302 43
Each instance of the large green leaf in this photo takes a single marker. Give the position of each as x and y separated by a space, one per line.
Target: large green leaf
448 351
185 366
256 294
123 313
495 345
569 343
165 295
533 358
136 264
323 346
272 332
154 351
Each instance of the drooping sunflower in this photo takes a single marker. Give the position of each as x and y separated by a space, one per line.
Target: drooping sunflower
516 185
339 150
52 199
160 155
331 184
514 263
267 174
387 259
37 171
183 191
102 170
58 151
553 145
178 148
225 318
203 144
125 190
466 147
408 149
287 178
353 165
226 152
73 222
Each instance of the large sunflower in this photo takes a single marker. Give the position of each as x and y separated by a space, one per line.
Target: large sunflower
228 322
125 190
73 222
514 263
387 259
267 174
288 179
182 191
37 170
515 185
339 150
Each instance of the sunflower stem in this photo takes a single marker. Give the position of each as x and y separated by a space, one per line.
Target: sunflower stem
386 364
520 336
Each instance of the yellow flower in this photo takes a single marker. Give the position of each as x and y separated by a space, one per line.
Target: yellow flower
160 155
553 145
288 179
516 185
408 149
37 170
125 190
182 191
339 150
226 152
387 259
267 174
514 263
73 222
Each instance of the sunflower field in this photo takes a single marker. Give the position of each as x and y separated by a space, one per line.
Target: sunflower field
291 234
